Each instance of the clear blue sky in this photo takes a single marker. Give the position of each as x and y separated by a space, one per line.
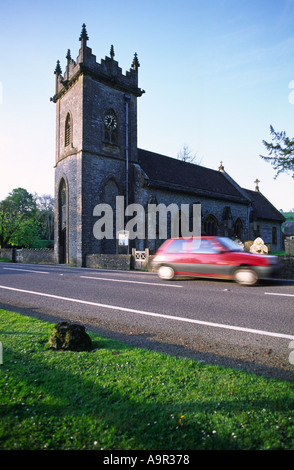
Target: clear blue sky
217 74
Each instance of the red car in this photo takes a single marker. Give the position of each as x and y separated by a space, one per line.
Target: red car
212 257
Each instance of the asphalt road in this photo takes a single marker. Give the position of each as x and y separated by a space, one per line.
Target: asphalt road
216 322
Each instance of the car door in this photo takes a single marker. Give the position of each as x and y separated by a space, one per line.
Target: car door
176 256
207 259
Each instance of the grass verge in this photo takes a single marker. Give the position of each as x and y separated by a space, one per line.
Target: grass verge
118 397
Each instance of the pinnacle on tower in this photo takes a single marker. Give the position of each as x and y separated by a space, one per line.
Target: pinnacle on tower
112 54
135 63
68 56
84 36
58 73
57 70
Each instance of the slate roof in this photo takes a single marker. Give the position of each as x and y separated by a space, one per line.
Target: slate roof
263 208
170 173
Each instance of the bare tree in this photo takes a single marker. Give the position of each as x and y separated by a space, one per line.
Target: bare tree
46 208
186 155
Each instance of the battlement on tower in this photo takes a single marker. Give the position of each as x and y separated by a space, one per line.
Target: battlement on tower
107 71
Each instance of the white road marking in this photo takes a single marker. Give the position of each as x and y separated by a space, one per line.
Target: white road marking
152 314
131 282
275 293
27 270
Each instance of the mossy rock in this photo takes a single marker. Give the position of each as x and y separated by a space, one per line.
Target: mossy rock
70 336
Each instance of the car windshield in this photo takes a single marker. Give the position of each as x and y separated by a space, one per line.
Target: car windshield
230 245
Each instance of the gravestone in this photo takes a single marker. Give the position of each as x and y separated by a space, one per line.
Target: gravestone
259 247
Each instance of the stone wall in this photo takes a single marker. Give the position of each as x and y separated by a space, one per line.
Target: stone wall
120 262
287 271
29 255
289 246
6 253
42 256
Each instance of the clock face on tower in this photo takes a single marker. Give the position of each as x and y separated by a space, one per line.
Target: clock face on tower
110 128
110 121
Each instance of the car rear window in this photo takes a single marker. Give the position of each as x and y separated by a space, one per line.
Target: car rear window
192 246
230 245
177 246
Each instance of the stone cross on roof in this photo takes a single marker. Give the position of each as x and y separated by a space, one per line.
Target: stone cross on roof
256 184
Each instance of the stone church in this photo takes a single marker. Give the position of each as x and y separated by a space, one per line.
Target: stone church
97 160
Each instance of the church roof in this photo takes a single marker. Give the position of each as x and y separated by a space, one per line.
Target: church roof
166 172
263 208
169 173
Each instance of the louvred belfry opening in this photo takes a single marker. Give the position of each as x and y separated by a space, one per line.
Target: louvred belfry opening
68 130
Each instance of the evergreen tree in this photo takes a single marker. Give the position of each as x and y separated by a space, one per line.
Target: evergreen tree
280 152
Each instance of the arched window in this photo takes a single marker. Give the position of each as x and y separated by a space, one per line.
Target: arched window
238 227
110 127
68 130
210 225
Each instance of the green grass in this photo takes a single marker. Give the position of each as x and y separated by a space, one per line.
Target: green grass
118 397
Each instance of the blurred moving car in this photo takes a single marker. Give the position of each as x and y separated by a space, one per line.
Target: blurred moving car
212 257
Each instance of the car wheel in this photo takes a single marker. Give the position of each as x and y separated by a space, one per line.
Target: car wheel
166 272
245 276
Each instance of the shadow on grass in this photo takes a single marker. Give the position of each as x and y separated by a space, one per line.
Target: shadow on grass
86 412
73 409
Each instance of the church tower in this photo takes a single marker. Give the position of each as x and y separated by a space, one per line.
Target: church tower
96 145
